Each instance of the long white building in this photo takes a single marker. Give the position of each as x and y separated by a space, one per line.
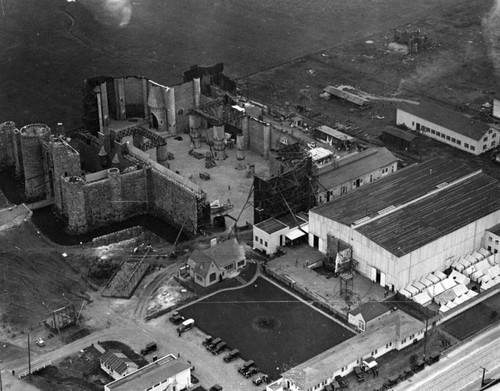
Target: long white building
449 127
418 220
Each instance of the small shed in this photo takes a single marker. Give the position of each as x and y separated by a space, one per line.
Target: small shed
366 314
400 139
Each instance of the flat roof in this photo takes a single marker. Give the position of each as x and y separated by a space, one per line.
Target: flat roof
355 165
396 189
149 375
270 226
435 215
319 368
448 119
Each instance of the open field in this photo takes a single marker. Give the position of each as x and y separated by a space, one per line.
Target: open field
261 320
49 46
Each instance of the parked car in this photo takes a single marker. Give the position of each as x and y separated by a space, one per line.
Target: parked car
213 343
40 342
216 387
261 378
208 340
150 347
245 366
360 374
219 348
250 372
232 355
342 382
176 318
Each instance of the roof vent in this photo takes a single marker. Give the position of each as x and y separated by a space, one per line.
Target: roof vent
386 210
361 221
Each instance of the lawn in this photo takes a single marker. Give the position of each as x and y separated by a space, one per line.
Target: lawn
267 325
474 319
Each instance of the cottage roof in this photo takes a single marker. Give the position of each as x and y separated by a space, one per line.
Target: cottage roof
222 254
370 311
117 361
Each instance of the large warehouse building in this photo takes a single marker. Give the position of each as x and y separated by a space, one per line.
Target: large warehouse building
410 223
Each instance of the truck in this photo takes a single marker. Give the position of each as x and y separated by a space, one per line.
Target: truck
186 325
150 347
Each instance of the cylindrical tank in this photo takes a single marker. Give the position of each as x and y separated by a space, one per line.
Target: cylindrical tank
267 140
162 154
219 142
32 157
240 142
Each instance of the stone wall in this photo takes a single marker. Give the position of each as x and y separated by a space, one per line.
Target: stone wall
184 102
256 136
134 97
172 202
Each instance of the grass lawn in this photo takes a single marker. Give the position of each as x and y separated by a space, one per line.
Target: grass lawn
267 325
474 319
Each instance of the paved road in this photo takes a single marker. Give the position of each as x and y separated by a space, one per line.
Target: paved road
461 368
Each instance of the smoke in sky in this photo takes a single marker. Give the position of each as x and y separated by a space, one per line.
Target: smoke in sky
110 13
491 29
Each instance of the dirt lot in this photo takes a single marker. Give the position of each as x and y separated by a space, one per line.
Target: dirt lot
49 46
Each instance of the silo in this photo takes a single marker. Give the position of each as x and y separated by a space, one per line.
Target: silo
32 156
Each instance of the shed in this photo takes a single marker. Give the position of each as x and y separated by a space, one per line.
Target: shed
400 139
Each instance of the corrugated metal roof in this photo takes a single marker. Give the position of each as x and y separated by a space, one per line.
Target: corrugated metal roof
334 133
405 135
354 166
117 361
345 94
435 216
396 189
495 229
448 119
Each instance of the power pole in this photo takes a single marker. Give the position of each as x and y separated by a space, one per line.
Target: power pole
29 355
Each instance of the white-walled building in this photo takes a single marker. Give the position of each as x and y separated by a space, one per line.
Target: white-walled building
394 331
449 127
272 233
353 171
492 239
367 314
411 223
165 374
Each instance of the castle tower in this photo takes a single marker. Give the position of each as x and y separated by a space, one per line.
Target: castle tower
162 154
196 91
171 112
267 140
115 185
73 206
194 130
240 142
7 144
65 162
157 108
32 157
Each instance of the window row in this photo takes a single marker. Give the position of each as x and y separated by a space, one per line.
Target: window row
259 240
